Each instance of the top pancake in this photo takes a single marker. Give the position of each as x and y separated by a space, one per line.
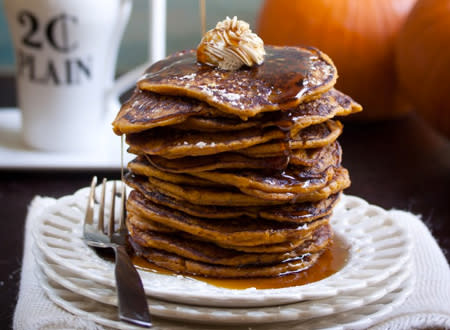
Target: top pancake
288 77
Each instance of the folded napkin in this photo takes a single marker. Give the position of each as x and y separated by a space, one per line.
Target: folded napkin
428 306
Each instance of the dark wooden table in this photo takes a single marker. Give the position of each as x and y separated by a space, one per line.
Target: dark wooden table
400 164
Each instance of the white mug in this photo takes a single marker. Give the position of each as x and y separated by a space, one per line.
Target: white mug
66 52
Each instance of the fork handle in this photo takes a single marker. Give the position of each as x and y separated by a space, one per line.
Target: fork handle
133 307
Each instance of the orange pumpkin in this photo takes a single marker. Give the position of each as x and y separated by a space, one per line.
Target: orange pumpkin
423 61
359 35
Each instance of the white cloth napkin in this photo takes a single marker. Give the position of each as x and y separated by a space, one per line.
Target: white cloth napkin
427 307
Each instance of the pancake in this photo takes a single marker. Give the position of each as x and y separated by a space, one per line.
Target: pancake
225 160
233 160
150 225
315 136
288 76
211 195
243 231
216 124
264 248
308 157
300 212
315 240
141 166
297 212
214 254
142 185
295 179
248 196
251 142
333 103
339 182
272 248
145 110
330 104
314 237
170 143
181 265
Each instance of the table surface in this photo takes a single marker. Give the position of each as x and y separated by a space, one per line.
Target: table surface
400 164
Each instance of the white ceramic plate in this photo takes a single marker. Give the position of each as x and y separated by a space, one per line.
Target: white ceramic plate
221 315
378 248
359 318
15 155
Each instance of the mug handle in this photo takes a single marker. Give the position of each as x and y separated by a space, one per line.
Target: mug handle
156 49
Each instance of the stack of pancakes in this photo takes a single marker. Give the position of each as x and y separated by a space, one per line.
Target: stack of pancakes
236 172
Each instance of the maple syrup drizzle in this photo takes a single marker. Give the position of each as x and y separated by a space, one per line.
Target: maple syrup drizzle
202 6
121 158
331 261
280 81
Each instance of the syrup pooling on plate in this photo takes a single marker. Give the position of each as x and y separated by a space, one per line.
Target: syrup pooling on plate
288 76
330 262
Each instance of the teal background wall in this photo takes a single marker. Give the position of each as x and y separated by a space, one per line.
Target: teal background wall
183 28
6 53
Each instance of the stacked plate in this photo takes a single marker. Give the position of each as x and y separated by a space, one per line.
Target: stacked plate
376 277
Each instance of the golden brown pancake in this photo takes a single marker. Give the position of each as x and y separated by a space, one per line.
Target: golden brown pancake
225 160
308 157
272 248
243 231
330 104
182 265
288 76
314 239
142 185
216 124
300 212
293 212
339 182
264 248
294 179
145 110
304 157
210 195
141 166
170 143
151 226
211 253
248 196
315 136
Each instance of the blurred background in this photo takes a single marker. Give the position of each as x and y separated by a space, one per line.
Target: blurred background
388 52
185 34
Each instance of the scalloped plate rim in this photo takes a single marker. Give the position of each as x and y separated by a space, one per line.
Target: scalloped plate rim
227 297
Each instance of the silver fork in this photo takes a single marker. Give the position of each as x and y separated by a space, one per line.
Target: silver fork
133 307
